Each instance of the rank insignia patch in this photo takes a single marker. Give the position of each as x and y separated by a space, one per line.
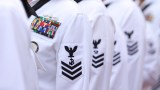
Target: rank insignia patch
132 45
116 56
151 49
98 59
45 25
72 70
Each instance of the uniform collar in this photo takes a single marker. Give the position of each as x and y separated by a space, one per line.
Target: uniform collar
33 2
146 4
147 1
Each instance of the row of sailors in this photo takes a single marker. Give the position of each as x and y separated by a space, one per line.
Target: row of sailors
79 45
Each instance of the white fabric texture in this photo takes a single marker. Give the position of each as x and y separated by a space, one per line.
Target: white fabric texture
130 19
119 78
151 61
73 32
18 70
152 16
103 29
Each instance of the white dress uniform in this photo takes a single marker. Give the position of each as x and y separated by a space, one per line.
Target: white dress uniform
151 61
103 43
151 10
62 39
120 60
130 19
18 70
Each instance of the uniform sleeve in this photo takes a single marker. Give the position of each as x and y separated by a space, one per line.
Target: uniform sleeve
16 67
103 42
134 30
151 63
74 55
120 62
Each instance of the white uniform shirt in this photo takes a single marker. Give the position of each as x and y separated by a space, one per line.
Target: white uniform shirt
152 16
103 42
66 56
131 20
18 70
151 61
120 60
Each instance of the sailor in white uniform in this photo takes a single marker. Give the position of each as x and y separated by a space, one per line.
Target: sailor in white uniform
151 61
103 43
130 19
63 44
18 70
151 11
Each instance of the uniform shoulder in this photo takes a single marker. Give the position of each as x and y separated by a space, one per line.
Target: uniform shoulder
129 5
92 8
70 6
93 5
125 8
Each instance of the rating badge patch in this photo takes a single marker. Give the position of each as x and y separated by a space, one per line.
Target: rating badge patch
151 49
45 25
116 56
72 69
132 46
98 59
